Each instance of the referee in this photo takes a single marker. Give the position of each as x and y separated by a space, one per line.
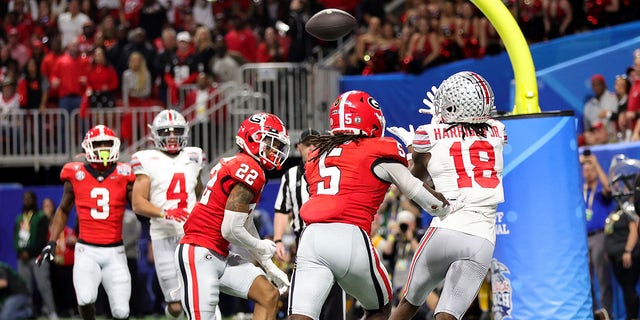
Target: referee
293 192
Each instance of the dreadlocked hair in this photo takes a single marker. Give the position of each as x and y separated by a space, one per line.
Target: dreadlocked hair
324 144
480 129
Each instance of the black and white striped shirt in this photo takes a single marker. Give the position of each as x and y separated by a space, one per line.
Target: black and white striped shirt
292 194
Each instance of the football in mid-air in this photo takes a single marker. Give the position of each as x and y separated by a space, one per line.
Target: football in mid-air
330 24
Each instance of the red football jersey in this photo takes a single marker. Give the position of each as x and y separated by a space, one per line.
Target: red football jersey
342 185
204 226
100 201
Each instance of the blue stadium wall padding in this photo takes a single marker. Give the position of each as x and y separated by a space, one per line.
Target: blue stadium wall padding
540 268
564 68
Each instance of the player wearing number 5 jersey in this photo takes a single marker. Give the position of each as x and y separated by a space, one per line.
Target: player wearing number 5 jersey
100 189
166 189
348 175
223 216
462 152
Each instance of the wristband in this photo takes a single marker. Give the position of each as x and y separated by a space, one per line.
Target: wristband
627 251
277 241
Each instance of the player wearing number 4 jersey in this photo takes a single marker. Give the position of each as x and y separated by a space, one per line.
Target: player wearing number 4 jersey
462 152
100 188
166 189
223 216
348 175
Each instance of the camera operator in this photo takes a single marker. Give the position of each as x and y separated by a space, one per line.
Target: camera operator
401 244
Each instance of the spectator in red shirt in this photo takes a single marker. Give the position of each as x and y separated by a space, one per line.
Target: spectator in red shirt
102 82
272 48
240 39
46 67
19 51
69 76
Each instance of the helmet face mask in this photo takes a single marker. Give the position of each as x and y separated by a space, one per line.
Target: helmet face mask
356 113
464 97
101 145
264 137
169 131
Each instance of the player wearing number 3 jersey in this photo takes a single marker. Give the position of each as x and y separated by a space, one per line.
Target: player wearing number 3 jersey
166 189
224 215
100 188
348 175
462 152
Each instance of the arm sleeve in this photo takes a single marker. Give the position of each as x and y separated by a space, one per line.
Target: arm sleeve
233 229
409 185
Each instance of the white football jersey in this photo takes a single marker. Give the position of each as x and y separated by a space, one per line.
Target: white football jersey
173 183
472 167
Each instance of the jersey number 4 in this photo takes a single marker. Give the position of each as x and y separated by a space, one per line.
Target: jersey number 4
178 190
483 159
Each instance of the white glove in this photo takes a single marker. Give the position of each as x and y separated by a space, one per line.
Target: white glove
431 109
454 205
264 250
405 135
275 275
428 101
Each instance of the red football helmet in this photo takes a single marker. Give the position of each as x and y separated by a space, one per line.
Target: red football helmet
101 145
356 112
264 136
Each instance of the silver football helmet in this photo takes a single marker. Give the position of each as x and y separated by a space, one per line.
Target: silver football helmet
464 97
170 131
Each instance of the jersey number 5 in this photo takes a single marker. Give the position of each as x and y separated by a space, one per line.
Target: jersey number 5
178 190
333 173
482 158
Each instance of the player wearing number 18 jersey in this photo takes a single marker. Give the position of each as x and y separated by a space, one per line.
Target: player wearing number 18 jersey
462 152
223 216
167 185
100 188
348 175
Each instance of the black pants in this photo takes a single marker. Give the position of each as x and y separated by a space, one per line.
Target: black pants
628 279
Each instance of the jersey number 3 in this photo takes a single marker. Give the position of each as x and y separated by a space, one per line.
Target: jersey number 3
482 158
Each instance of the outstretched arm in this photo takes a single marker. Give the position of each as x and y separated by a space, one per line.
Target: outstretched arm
412 187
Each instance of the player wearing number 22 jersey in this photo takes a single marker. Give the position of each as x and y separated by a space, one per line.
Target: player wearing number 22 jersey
224 216
462 152
167 185
348 175
100 188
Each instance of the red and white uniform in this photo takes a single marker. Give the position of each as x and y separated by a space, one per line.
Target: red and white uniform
458 248
99 254
100 201
472 166
173 181
344 196
205 222
342 186
205 265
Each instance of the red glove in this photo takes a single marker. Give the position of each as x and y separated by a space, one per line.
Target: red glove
176 214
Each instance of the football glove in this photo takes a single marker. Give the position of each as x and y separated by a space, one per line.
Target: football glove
264 250
47 253
454 205
176 214
275 275
431 108
405 135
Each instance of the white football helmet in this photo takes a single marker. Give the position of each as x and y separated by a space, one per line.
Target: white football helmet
101 145
464 97
170 131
